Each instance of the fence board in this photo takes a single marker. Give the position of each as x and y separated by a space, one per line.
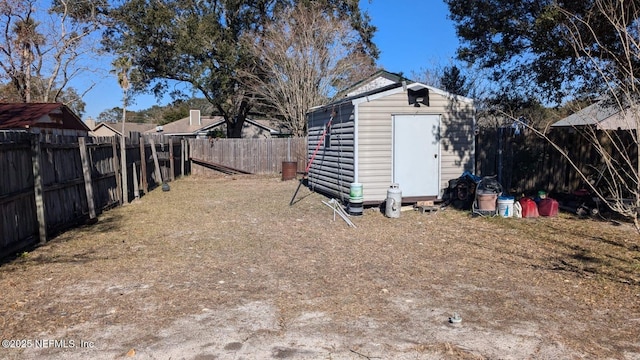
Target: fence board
86 174
38 188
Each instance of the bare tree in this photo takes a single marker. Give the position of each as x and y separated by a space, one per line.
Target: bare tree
430 75
617 176
41 50
305 58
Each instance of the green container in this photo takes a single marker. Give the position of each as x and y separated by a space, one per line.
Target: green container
355 193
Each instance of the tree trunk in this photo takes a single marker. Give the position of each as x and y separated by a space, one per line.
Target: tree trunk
637 194
234 128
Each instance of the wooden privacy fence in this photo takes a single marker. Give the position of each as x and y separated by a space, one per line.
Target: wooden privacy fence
526 163
255 156
50 183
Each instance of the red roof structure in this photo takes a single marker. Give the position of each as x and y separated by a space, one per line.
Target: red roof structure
19 116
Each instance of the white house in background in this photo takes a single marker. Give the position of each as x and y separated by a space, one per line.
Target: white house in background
198 126
602 116
115 128
391 130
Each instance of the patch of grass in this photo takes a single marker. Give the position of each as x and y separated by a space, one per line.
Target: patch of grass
225 241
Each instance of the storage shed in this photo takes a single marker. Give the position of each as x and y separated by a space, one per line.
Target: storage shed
398 132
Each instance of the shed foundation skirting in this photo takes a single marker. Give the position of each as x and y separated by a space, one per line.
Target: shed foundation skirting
405 200
330 189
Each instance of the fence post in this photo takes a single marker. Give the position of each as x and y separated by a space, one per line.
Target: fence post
86 173
182 157
38 188
116 168
190 144
155 161
188 169
143 166
123 169
136 188
172 175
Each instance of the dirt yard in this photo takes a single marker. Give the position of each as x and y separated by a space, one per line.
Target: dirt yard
224 268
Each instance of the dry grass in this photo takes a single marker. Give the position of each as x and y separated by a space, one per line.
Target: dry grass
225 241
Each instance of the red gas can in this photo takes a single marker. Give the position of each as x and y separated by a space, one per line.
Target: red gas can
529 207
548 207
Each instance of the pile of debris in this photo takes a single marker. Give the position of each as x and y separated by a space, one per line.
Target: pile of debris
484 196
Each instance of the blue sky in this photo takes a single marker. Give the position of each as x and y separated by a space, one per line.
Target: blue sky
412 35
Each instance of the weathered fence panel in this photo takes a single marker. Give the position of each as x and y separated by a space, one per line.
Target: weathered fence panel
18 224
103 175
255 156
527 163
43 189
65 200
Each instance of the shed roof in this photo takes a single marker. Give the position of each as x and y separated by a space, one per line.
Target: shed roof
39 115
380 78
391 89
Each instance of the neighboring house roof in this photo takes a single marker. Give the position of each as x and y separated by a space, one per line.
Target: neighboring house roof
602 116
189 126
274 127
39 115
200 125
116 127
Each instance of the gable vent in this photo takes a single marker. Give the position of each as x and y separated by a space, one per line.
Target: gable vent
417 97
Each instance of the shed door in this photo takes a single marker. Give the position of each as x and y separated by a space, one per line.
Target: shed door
416 154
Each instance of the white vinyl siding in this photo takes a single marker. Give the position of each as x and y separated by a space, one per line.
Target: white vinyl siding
332 169
375 139
375 142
